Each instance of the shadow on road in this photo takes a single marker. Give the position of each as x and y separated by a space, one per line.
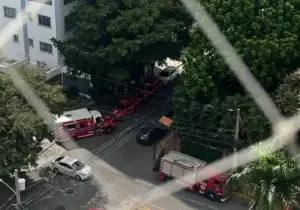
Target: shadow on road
60 192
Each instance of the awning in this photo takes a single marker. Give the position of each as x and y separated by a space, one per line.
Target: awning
166 121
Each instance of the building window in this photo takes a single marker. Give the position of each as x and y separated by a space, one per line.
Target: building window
16 38
30 42
46 47
10 12
69 24
44 20
68 1
49 2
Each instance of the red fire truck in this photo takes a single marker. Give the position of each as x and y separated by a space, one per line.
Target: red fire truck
190 171
83 123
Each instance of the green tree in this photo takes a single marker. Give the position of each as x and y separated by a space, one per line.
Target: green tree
21 129
273 181
287 95
265 33
127 34
217 120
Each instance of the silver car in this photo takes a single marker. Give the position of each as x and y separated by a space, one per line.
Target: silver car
169 74
71 167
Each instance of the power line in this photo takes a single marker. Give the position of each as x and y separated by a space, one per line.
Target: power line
101 148
158 94
176 122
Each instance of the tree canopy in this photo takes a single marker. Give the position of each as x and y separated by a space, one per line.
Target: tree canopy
21 129
265 33
266 36
273 181
125 35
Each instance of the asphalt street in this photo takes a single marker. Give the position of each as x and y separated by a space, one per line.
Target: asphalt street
122 172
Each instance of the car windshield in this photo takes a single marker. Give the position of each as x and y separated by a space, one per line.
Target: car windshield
164 74
78 165
145 130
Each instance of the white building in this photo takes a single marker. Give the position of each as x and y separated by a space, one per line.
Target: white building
36 28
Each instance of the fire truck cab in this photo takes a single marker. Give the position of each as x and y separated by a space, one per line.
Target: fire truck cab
82 123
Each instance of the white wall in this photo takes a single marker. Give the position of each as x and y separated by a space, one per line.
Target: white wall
40 33
12 49
57 12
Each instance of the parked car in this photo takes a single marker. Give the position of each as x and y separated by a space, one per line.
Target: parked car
150 135
151 86
71 167
169 74
125 107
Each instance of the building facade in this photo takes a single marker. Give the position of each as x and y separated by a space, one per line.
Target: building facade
38 21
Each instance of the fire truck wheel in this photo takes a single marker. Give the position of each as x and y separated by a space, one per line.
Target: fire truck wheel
211 196
108 130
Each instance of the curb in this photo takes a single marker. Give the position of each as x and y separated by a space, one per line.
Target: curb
45 149
242 196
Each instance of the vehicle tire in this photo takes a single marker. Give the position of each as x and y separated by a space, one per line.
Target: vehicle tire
78 178
211 196
55 170
108 130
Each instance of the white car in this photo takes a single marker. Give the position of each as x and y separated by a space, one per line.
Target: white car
71 167
168 74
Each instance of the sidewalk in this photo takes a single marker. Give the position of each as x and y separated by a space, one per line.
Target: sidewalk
35 176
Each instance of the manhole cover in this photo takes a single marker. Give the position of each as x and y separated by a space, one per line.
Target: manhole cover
60 207
70 191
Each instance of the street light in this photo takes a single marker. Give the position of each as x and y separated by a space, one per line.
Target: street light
19 185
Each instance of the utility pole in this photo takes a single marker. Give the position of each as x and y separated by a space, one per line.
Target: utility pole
17 189
19 186
236 137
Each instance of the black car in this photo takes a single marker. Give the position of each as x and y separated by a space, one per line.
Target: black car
149 135
169 114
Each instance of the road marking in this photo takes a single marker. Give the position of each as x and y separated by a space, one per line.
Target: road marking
132 203
197 202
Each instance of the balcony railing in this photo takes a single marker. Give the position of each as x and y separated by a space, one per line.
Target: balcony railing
49 2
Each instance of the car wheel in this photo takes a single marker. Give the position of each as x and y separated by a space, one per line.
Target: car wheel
55 170
108 130
78 178
211 196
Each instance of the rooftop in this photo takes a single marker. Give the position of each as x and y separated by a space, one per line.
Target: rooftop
74 115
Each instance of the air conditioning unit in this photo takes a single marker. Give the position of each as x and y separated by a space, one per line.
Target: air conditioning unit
41 64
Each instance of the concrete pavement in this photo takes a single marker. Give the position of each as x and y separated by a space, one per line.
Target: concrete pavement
122 173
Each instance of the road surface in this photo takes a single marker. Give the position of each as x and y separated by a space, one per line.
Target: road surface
122 173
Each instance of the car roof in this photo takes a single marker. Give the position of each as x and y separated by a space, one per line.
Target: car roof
123 102
169 69
68 160
74 115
